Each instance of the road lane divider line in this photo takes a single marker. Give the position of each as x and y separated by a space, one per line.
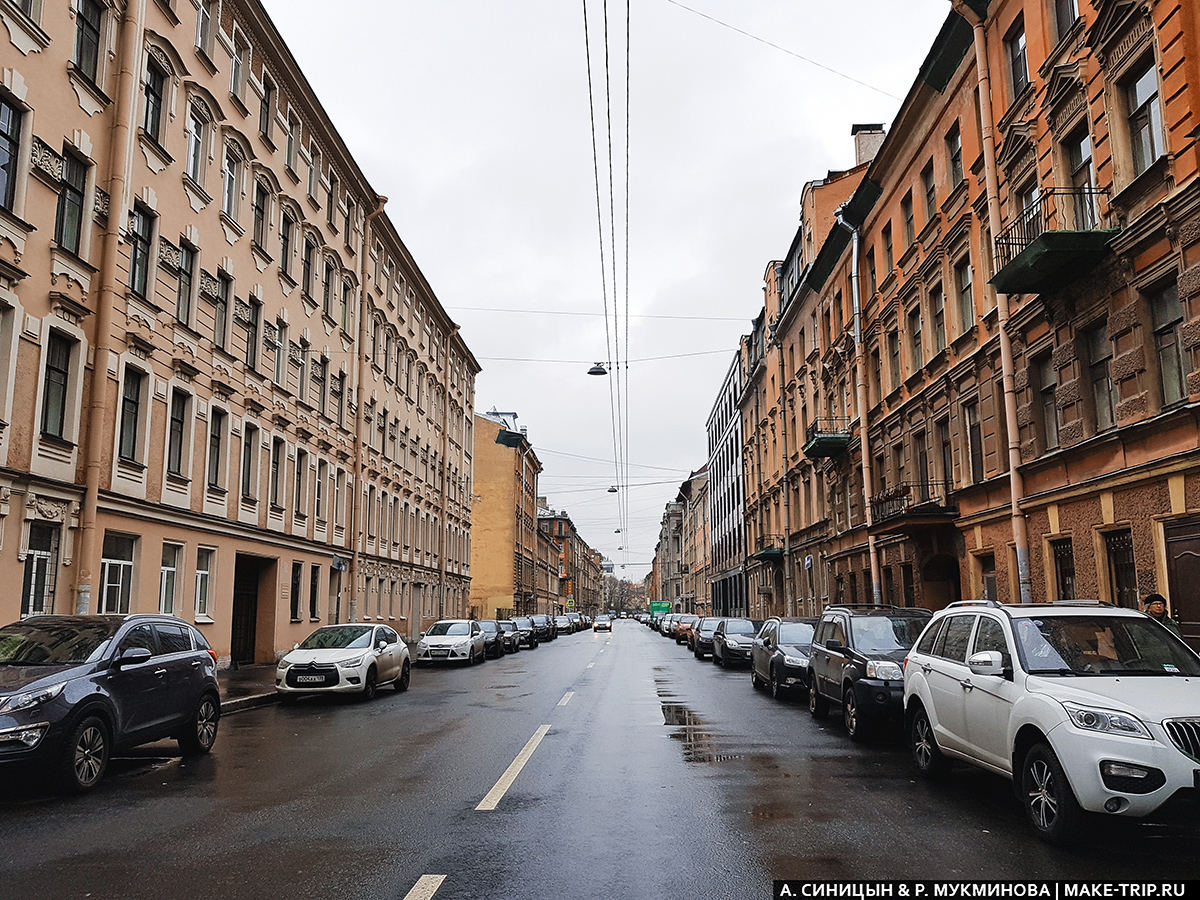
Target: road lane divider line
566 698
496 794
425 888
589 665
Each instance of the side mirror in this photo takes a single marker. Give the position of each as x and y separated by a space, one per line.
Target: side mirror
295 646
421 635
131 656
835 645
986 662
382 646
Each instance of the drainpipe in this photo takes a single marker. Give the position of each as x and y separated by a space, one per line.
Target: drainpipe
124 134
450 332
1015 480
860 394
358 532
787 493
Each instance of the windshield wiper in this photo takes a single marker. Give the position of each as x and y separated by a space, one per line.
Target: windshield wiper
1061 671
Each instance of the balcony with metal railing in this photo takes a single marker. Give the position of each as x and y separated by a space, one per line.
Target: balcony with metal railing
913 506
826 437
768 547
1057 239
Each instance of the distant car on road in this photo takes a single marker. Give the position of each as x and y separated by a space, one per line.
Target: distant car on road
701 639
683 629
544 627
528 631
602 623
511 635
74 689
779 655
345 659
452 640
493 641
732 640
563 625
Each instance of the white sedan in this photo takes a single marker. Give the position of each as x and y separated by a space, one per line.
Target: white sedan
345 659
452 640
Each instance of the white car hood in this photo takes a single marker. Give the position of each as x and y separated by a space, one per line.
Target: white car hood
300 657
1149 697
444 640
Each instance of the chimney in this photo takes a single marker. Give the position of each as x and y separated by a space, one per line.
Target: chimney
867 139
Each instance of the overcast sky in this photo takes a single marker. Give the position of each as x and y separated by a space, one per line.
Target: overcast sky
472 117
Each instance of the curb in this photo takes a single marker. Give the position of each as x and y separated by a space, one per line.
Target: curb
238 704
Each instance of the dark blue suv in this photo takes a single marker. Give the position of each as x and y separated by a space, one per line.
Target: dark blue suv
75 688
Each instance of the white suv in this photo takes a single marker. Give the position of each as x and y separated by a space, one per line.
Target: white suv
1084 706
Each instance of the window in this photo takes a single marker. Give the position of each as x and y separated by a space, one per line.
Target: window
1099 349
131 411
331 209
1047 386
937 306
153 91
1063 554
1079 161
974 440
327 289
1174 362
320 378
314 586
916 348
140 236
872 281
221 309
966 300
261 199
1066 13
346 319
293 141
237 66
249 461
41 570
204 562
297 584
299 500
177 432
68 223
1018 68
195 146
229 183
319 498
1122 571
204 25
302 379
340 381
286 223
187 279
168 577
281 354
266 107
894 359
306 266
277 463
216 447
250 324
1145 117
314 170
116 575
889 259
10 145
947 451
929 188
59 349
349 220
954 155
87 38
910 226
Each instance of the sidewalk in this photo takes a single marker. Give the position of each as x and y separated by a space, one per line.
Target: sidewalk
246 687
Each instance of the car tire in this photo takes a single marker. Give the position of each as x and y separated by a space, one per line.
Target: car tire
818 706
778 691
370 685
931 763
401 683
1049 802
754 682
719 661
856 728
201 731
85 755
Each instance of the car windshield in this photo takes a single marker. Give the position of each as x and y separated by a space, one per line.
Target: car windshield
709 624
54 643
799 633
523 623
343 637
1102 645
507 626
450 628
884 634
740 626
603 619
489 627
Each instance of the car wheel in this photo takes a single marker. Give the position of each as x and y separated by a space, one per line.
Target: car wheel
202 730
818 706
401 683
720 661
856 728
85 755
778 691
754 682
931 762
370 685
1051 806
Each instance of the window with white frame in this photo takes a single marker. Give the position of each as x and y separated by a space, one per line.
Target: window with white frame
1144 115
168 579
963 284
204 572
41 570
239 65
116 574
300 496
197 127
281 354
221 309
69 219
303 375
250 462
1018 66
287 226
132 414
141 236
217 425
954 154
57 383
154 95
314 170
319 498
89 20
230 175
187 284
278 461
262 212
266 107
206 25
10 151
178 428
293 143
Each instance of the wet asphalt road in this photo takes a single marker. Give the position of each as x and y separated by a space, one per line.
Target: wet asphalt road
660 777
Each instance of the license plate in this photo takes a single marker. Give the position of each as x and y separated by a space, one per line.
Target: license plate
310 679
440 652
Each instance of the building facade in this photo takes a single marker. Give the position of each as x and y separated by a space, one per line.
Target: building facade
726 497
693 494
579 566
230 394
668 558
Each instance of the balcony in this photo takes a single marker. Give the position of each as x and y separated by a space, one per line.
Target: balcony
1058 239
768 548
826 437
911 507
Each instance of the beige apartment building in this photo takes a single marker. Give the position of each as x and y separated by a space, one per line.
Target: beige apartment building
228 392
579 566
696 547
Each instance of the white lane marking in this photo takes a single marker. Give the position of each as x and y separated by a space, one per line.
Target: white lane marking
426 887
496 794
601 649
566 698
590 665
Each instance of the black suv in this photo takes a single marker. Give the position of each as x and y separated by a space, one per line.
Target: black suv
543 627
857 660
779 655
73 689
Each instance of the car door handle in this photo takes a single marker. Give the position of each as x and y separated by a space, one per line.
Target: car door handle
926 668
195 663
160 671
967 686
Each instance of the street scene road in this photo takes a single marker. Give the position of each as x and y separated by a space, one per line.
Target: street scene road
658 776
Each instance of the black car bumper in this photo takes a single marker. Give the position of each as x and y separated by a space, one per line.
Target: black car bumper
735 654
880 701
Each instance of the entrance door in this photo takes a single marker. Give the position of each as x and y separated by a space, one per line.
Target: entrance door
245 610
1183 574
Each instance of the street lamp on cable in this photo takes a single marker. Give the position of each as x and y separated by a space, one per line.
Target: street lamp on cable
598 369
613 489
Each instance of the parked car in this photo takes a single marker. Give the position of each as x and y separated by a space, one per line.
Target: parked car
511 635
779 655
74 689
602 623
665 623
563 625
856 659
452 640
701 640
683 628
343 659
576 621
1084 706
493 640
527 630
732 639
544 628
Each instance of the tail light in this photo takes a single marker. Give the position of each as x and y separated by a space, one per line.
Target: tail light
213 654
904 665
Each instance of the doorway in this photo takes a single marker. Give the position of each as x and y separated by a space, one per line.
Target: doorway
1183 574
251 620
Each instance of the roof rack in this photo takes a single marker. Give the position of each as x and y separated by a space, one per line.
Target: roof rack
982 601
867 606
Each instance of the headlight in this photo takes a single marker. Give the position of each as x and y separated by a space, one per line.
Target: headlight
731 642
1107 721
352 663
888 671
30 699
421 645
462 645
794 660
